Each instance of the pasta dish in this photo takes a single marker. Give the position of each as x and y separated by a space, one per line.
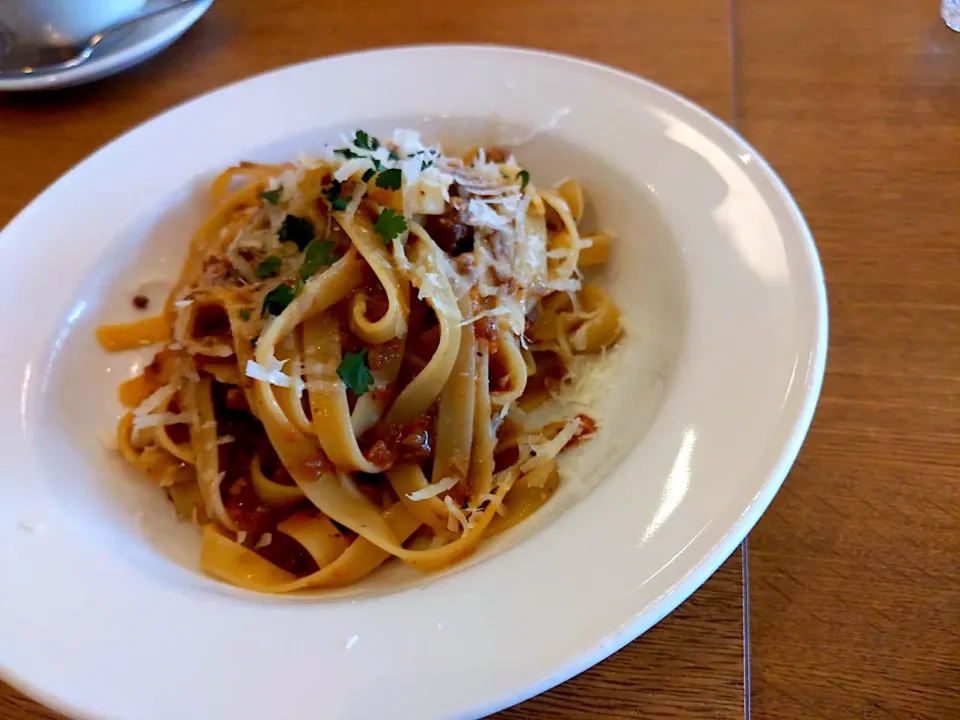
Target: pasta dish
351 355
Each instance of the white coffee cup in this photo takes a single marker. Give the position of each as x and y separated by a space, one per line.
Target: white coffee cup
52 22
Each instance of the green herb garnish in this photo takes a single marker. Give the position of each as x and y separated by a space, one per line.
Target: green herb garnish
347 153
244 314
393 155
333 196
269 267
425 164
389 179
389 226
297 230
354 372
271 196
362 140
254 340
317 254
368 174
276 300
524 179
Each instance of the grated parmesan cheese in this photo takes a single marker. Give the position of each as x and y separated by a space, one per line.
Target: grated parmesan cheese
272 373
493 312
549 450
156 399
456 516
433 490
160 419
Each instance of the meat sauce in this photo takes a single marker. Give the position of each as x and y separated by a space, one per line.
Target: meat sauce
411 442
451 231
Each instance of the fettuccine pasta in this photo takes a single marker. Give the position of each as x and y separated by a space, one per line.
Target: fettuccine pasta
350 354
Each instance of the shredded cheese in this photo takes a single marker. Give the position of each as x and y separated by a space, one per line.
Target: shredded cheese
156 399
545 451
272 373
433 490
456 516
160 419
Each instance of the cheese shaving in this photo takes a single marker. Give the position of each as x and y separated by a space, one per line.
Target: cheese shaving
456 516
272 373
434 489
493 312
159 397
545 451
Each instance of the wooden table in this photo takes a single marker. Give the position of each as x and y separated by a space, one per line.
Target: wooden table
855 603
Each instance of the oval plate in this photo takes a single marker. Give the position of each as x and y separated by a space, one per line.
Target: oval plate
102 612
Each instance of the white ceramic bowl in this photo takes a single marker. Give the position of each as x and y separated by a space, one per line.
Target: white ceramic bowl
102 611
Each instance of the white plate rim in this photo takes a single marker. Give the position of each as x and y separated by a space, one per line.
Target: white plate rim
729 540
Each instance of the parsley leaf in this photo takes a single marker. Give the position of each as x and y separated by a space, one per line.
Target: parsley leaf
362 140
425 164
389 179
347 153
244 314
297 230
317 254
390 225
277 299
368 174
271 196
269 267
524 178
354 372
333 196
393 155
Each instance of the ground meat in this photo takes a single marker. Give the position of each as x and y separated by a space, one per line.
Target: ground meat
211 320
450 231
411 442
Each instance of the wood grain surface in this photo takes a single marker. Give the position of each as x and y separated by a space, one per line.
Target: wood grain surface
691 665
855 568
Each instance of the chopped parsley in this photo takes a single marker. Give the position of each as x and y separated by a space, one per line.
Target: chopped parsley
354 372
347 153
524 178
368 174
333 197
297 230
389 179
254 340
269 267
271 196
393 155
244 314
362 140
276 300
425 164
389 226
317 254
